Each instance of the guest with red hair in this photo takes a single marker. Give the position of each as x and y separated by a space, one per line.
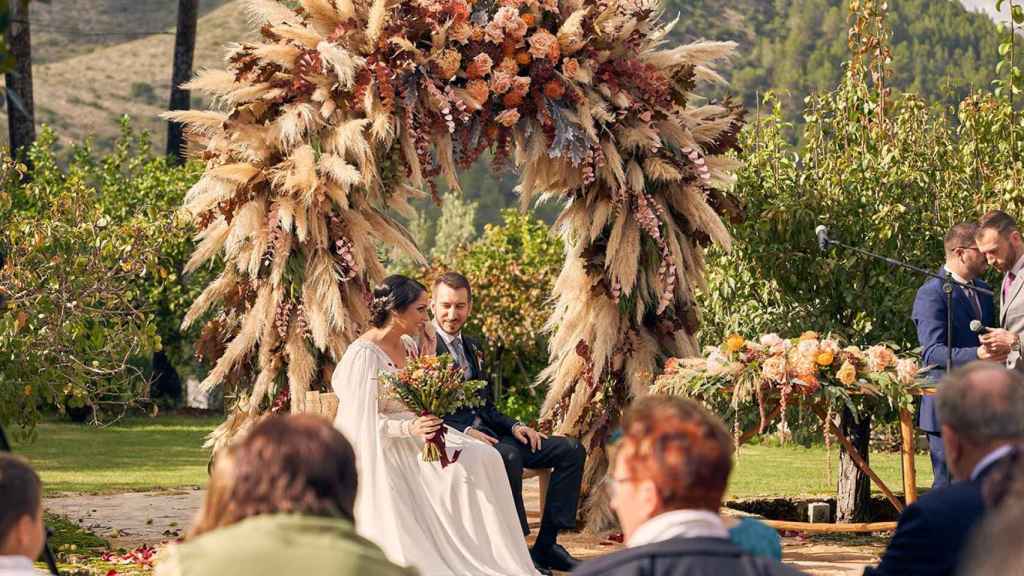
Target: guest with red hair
669 476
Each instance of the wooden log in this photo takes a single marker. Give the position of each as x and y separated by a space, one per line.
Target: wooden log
858 460
828 528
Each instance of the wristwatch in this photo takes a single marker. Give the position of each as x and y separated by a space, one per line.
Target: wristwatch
1015 347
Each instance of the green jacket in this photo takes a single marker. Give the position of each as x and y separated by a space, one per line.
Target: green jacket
279 545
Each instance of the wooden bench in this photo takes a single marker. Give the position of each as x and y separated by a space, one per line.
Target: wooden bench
326 405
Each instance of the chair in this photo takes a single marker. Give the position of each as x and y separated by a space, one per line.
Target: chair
326 404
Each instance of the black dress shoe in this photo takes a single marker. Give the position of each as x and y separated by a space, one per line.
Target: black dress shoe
542 570
555 558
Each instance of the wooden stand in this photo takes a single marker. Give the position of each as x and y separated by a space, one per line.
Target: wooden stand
907 457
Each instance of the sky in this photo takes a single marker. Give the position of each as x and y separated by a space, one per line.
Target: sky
988 6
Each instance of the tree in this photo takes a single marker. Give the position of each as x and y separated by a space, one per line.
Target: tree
20 107
181 98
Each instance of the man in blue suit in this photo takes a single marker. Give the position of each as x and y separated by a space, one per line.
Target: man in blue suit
965 263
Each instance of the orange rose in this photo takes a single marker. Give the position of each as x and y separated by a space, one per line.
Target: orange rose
734 343
523 58
512 99
530 19
825 358
847 374
553 89
478 90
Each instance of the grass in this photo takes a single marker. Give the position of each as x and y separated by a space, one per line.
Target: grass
770 470
166 452
135 454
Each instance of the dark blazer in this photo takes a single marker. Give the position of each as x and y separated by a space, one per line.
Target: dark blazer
932 533
493 422
684 557
930 319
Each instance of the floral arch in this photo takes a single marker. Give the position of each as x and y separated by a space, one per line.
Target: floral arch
346 109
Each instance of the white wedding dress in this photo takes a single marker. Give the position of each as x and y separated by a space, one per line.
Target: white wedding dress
456 521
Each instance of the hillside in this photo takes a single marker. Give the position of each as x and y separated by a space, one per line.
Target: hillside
88 78
941 50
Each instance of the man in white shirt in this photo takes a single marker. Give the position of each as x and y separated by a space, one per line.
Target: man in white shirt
22 534
1000 241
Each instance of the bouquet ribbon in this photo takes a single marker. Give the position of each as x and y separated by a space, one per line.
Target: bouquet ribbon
436 442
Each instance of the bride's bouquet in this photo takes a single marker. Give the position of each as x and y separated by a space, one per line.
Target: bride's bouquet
434 386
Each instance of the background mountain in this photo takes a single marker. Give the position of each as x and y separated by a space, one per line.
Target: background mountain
941 50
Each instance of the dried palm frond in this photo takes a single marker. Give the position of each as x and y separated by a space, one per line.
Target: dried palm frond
344 63
281 54
211 240
214 82
269 11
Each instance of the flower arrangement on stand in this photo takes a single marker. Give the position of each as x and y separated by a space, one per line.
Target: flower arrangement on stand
816 371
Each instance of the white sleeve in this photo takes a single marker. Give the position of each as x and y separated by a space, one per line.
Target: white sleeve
355 381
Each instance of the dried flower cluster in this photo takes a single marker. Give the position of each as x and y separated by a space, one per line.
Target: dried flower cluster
347 108
745 371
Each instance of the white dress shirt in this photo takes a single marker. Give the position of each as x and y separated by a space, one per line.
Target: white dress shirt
17 566
679 524
990 459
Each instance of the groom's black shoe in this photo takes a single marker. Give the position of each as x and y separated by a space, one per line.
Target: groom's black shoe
541 569
554 558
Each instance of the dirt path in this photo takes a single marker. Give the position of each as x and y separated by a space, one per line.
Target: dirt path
130 519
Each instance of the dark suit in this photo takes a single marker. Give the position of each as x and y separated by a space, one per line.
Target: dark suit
684 557
930 319
932 532
565 456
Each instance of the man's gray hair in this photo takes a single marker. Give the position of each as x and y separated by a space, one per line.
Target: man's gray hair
983 401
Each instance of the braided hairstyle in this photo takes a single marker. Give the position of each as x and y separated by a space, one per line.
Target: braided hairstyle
395 294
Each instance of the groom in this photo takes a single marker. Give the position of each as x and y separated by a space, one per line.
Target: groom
520 446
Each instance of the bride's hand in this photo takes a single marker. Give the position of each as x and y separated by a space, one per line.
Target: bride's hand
424 427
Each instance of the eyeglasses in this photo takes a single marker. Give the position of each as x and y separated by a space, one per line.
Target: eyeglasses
611 484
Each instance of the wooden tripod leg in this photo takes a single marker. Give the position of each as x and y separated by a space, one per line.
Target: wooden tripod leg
907 452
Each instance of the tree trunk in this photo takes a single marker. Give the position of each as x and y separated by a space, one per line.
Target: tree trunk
181 99
21 122
853 500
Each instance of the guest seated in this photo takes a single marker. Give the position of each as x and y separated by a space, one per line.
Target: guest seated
995 545
280 502
667 482
21 517
981 409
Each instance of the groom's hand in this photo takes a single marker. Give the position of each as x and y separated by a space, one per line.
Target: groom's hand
474 433
528 436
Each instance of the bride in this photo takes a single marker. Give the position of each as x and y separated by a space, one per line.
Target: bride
457 521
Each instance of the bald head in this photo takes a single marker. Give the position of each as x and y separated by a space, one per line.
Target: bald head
983 402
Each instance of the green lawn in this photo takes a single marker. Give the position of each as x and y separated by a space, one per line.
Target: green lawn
135 454
166 453
770 470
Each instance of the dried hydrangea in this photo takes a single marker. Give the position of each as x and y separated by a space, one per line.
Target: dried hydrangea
461 32
448 63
